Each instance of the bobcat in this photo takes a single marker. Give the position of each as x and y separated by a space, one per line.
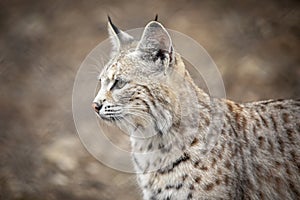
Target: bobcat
146 88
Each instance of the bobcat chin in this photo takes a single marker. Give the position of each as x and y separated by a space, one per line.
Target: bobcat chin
146 88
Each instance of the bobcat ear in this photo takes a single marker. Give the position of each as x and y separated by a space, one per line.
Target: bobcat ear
156 44
118 37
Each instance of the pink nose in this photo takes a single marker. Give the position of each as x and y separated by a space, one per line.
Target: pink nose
96 107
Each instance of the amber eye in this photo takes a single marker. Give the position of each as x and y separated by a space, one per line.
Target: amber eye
118 84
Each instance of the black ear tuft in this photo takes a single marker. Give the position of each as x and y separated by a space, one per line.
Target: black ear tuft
156 17
116 30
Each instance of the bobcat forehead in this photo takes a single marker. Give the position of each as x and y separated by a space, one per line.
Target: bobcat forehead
257 153
113 70
125 65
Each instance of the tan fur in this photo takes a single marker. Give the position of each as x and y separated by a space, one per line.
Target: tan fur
197 147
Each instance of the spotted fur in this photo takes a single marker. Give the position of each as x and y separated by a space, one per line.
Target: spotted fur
187 145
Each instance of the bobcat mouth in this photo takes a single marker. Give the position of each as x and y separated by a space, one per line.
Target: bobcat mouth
109 113
110 118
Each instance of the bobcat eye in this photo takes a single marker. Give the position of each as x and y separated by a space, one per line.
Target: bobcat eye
118 84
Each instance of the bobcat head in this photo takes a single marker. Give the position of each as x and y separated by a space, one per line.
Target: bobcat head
139 88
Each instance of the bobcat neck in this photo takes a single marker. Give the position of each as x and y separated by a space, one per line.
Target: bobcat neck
191 124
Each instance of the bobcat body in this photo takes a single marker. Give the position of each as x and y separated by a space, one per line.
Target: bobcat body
187 145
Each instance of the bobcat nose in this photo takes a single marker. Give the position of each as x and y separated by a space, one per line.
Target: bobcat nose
96 106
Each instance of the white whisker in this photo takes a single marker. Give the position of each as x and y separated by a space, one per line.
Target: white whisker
138 113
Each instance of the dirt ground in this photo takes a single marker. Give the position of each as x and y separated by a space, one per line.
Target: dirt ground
255 44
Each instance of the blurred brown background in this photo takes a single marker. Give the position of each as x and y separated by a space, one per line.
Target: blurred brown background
255 44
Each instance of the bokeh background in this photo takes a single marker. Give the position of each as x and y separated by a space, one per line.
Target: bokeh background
255 44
